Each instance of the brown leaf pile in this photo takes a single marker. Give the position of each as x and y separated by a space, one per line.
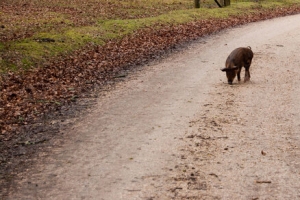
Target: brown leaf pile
21 19
27 96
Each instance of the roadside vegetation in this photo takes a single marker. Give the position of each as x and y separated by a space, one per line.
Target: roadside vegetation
35 32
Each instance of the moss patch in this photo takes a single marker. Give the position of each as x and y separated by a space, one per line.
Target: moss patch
2 47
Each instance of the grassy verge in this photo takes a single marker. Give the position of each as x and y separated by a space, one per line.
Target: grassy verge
36 31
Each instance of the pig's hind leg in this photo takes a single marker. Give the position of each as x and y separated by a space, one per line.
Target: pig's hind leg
239 74
247 73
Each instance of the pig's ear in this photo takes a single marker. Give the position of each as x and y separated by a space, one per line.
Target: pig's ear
235 68
229 69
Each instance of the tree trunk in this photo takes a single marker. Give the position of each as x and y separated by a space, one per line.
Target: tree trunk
197 3
226 2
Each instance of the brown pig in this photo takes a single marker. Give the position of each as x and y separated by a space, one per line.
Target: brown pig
235 61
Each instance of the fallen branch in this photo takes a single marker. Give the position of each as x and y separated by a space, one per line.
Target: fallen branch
263 182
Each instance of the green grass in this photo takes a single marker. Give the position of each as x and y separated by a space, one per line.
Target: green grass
2 47
72 34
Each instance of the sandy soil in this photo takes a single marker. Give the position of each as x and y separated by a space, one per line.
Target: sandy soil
177 130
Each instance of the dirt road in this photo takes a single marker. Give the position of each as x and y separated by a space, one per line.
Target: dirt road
177 130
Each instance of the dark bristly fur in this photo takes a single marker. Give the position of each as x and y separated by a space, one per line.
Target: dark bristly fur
238 58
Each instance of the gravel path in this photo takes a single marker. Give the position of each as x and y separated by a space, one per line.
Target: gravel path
177 130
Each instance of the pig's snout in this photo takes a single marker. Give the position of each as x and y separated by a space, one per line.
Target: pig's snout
230 73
